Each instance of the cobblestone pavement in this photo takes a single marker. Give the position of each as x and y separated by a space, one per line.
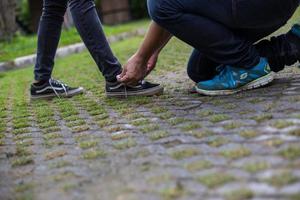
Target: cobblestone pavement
176 146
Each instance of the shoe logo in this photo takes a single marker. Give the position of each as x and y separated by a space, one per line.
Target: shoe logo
244 76
116 87
52 88
267 69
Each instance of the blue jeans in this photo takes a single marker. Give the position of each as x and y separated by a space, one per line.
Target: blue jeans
90 29
221 31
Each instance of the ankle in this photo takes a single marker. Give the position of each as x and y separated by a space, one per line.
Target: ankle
39 82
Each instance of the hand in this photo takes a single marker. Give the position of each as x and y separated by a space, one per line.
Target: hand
134 70
152 63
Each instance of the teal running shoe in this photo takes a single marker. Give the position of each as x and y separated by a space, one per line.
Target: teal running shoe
232 80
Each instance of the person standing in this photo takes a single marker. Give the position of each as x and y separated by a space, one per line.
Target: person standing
90 29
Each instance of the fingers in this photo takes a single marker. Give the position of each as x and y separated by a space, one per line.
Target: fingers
128 80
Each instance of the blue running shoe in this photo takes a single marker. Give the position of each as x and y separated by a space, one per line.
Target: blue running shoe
232 80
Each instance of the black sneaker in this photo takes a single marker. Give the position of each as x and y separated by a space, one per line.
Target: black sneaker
53 88
143 88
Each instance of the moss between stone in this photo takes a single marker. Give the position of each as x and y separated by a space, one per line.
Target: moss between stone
150 128
201 133
158 135
191 126
280 180
262 118
236 153
173 192
186 153
125 144
217 142
79 129
295 132
232 125
281 124
198 165
205 113
218 118
21 161
55 154
248 134
241 194
256 167
88 144
292 152
176 121
276 142
94 154
215 180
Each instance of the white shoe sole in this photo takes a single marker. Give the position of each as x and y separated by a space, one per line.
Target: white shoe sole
149 92
70 94
265 80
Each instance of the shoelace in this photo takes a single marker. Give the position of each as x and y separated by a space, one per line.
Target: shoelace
57 82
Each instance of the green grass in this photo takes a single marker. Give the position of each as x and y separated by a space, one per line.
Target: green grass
25 45
240 194
198 165
236 153
282 179
186 153
215 179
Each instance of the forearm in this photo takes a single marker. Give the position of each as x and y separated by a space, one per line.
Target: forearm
154 42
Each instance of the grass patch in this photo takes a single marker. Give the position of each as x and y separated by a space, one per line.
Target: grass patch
186 153
21 161
176 121
282 179
248 134
191 126
55 154
217 142
141 122
158 135
256 167
125 144
201 133
215 180
218 118
295 132
88 144
281 124
173 192
94 154
150 128
262 118
198 165
240 194
236 153
291 153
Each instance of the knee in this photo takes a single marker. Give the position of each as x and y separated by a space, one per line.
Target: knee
81 6
54 10
161 11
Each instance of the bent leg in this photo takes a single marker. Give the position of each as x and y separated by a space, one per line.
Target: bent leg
90 29
200 68
48 37
208 26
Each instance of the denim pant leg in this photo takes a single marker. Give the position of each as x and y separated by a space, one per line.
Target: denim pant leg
208 26
48 37
201 68
90 29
